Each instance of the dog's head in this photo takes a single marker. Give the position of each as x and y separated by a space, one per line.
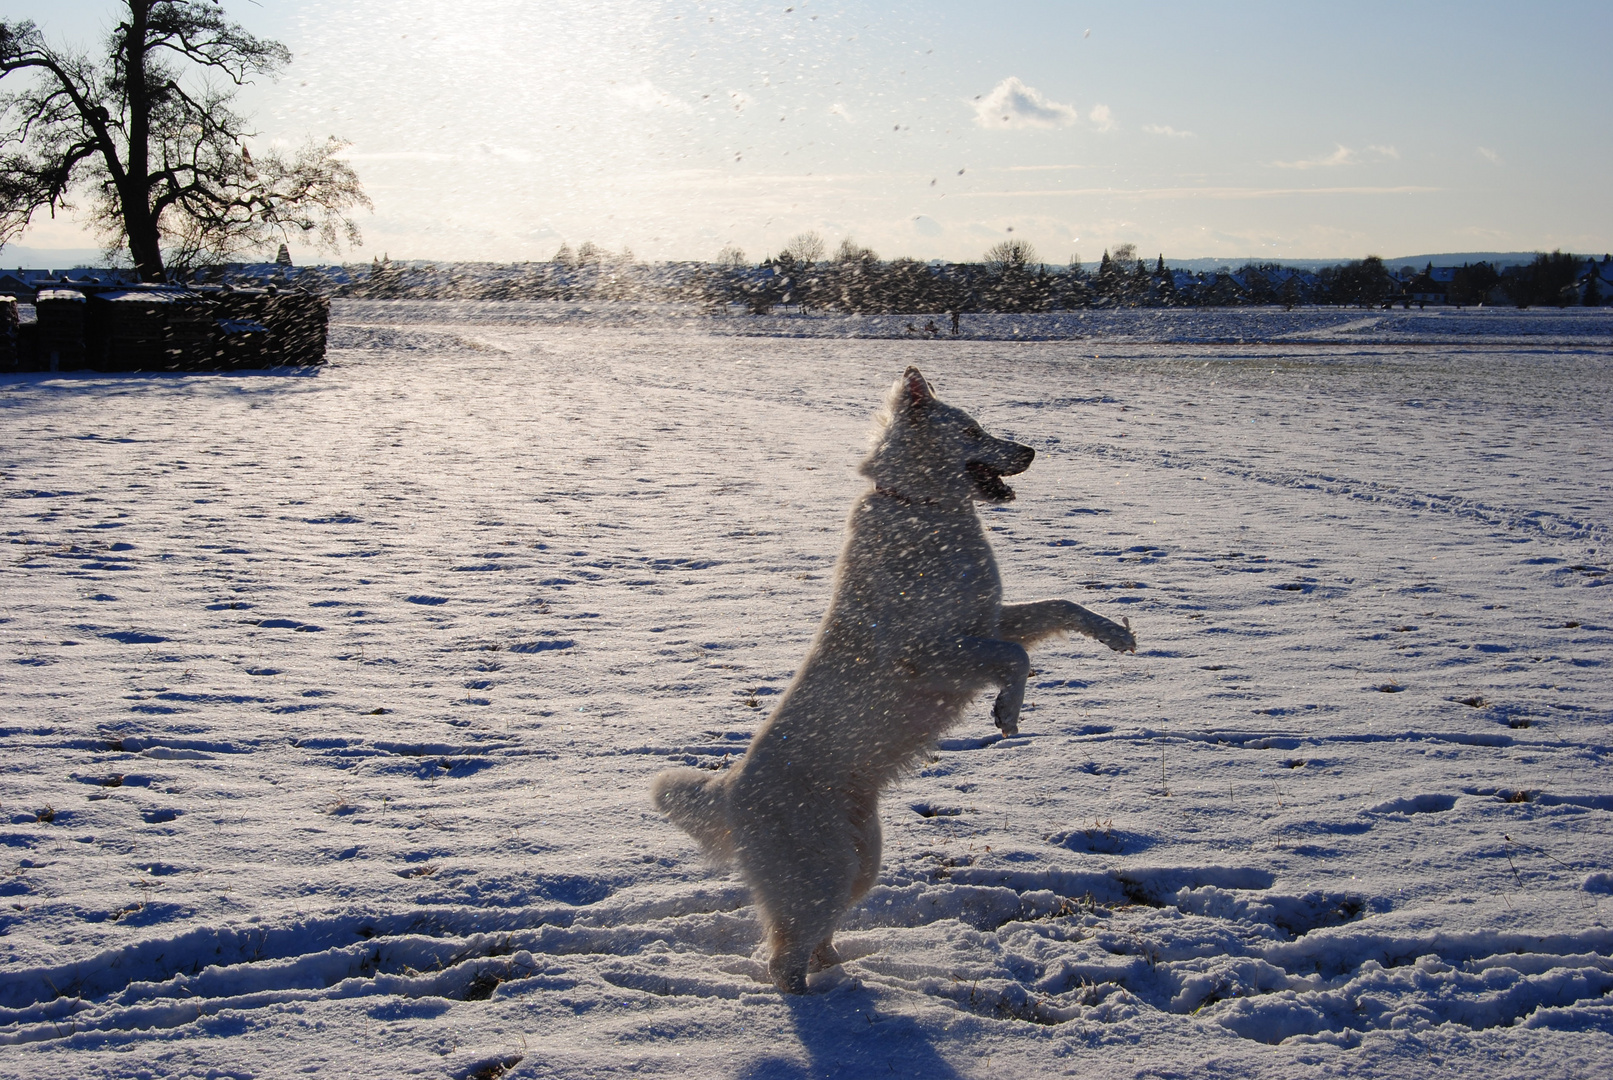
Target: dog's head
929 449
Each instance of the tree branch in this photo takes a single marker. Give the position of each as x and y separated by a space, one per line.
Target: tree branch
157 143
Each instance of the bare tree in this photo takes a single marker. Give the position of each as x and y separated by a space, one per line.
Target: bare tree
1126 253
1009 255
805 249
852 252
147 130
731 257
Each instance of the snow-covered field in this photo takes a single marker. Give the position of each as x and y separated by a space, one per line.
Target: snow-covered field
329 703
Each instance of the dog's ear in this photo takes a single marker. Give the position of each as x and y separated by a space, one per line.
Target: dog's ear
918 393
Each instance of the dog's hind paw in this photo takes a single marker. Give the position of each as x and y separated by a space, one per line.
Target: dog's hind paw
789 980
825 956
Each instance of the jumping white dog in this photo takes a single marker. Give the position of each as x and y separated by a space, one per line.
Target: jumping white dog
915 629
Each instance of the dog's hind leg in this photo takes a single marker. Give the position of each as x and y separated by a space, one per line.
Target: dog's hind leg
790 963
868 841
864 820
801 909
825 956
802 944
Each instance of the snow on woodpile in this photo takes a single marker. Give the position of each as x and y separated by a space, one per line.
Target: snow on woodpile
330 699
170 328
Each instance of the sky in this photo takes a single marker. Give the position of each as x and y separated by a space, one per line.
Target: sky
498 130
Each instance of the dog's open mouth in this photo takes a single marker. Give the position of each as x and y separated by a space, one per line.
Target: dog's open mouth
989 482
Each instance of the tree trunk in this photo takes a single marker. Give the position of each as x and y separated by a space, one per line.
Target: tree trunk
144 246
135 191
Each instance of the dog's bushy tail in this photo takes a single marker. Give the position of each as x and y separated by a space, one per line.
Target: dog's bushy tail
697 802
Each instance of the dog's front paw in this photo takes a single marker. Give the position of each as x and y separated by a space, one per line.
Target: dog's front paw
1005 714
1117 636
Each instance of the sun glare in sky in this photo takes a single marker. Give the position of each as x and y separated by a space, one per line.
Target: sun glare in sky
492 129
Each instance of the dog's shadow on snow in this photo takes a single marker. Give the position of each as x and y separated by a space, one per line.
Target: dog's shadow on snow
844 1034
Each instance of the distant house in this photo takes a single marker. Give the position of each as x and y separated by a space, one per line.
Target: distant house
13 285
1594 282
1221 289
1431 286
315 279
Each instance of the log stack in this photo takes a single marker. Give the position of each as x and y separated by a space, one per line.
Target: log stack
170 328
293 322
10 335
60 342
148 329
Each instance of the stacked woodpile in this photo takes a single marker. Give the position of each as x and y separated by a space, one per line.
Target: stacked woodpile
167 328
294 322
61 328
145 330
10 331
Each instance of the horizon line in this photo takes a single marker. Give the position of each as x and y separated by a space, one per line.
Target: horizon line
71 259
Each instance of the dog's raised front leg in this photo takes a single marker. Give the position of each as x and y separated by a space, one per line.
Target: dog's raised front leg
970 663
1032 622
1005 710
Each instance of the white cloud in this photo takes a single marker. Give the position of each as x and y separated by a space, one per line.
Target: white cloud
1012 104
646 97
1342 156
1489 155
1167 131
1102 117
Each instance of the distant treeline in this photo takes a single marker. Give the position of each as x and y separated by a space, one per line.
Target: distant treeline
1008 279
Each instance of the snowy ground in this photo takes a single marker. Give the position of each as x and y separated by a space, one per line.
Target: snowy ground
329 703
